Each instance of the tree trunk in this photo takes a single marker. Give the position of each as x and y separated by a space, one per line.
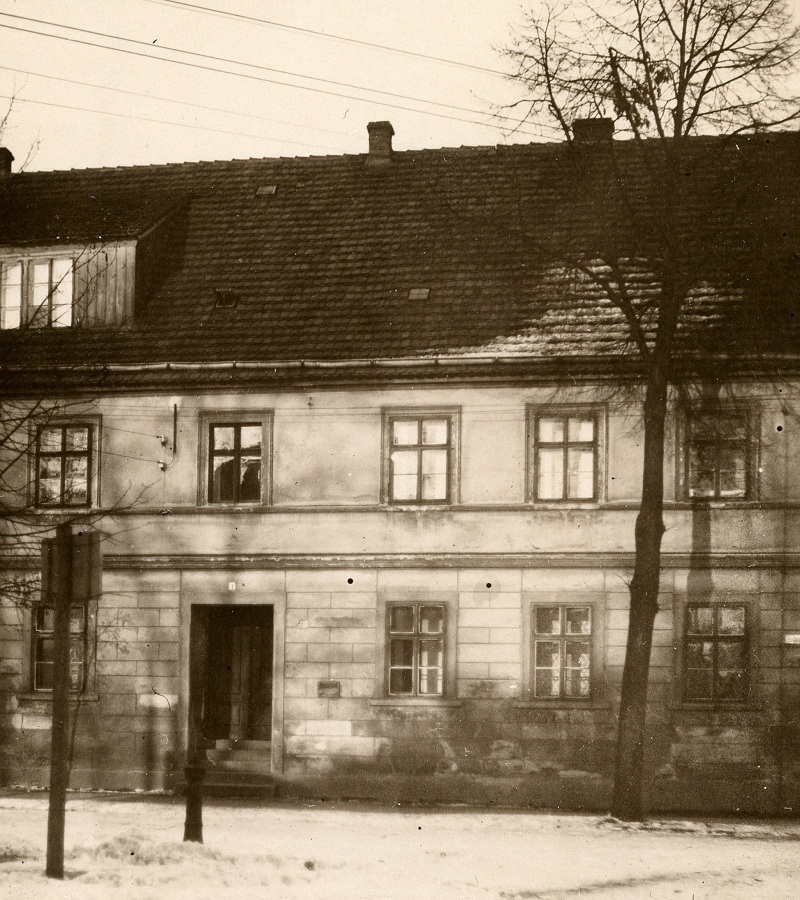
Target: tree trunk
628 801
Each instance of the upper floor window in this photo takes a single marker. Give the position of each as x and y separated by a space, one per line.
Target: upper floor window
64 456
715 660
565 455
235 457
421 457
717 457
37 291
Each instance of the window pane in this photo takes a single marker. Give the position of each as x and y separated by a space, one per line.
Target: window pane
700 619
434 431
49 491
576 682
250 439
701 470
50 440
699 654
76 481
405 433
547 683
732 470
577 655
401 619
401 652
697 684
548 620
550 431
76 676
551 474
50 467
704 427
77 619
77 438
11 295
44 650
430 681
732 427
222 478
434 474
45 618
547 654
581 474
730 619
222 437
40 292
401 681
404 474
62 293
731 685
43 676
578 620
731 655
430 654
250 484
431 619
580 430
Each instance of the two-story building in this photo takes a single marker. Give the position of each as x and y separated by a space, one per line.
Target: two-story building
365 451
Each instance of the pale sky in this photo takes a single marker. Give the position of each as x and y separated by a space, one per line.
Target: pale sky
88 106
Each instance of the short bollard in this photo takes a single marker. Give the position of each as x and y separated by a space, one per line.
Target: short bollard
193 825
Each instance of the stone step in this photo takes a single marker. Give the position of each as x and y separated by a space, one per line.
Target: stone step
235 744
254 756
224 783
263 767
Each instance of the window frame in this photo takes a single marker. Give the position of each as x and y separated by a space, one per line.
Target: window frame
399 414
535 412
748 641
27 310
226 419
449 601
752 447
597 680
94 456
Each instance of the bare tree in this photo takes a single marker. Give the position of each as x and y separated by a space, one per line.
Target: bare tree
666 71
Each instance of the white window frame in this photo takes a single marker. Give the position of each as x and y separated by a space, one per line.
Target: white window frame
28 312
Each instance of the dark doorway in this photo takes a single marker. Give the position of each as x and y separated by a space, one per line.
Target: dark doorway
238 692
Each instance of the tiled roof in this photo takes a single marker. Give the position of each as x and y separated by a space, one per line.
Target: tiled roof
324 269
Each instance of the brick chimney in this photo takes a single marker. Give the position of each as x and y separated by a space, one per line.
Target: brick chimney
380 142
593 131
6 158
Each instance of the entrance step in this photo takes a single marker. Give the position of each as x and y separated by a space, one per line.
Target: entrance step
256 757
234 744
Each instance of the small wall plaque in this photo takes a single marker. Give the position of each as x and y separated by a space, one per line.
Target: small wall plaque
793 638
330 689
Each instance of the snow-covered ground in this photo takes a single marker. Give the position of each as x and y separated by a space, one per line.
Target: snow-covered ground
131 847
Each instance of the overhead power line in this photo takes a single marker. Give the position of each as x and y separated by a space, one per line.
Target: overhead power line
230 112
214 58
119 115
331 37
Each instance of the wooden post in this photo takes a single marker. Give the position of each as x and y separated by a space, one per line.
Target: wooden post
57 557
195 769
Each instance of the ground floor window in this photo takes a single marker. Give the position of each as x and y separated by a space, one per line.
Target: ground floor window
415 649
44 642
715 652
562 651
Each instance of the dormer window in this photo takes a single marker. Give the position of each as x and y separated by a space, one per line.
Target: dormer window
38 291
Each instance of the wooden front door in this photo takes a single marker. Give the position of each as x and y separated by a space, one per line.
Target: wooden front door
238 695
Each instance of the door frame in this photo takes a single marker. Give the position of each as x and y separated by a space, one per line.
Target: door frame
221 594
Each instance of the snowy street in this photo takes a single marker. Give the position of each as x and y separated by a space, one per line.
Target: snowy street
124 846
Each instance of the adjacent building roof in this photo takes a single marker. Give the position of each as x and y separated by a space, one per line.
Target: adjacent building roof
434 261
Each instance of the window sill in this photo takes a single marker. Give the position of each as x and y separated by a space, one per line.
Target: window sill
47 697
562 704
416 701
